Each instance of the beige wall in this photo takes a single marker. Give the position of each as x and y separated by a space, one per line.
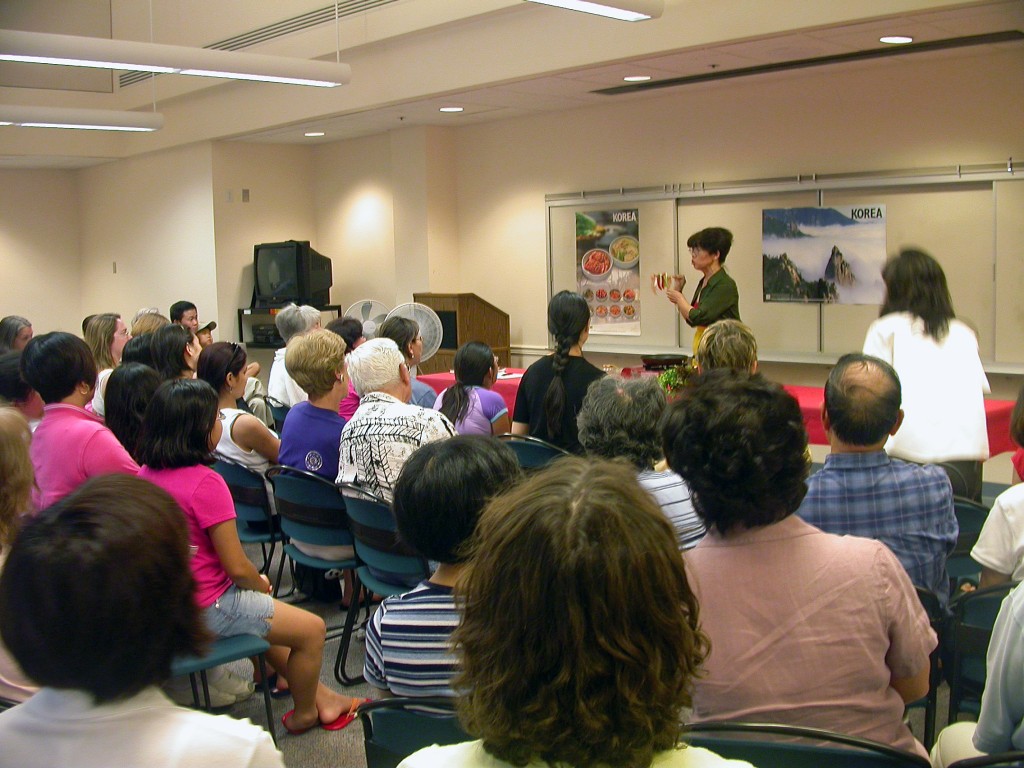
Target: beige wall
153 216
39 228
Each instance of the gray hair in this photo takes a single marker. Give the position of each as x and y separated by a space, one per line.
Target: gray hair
295 321
10 327
619 419
375 365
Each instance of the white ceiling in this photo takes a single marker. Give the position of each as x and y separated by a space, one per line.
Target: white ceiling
496 58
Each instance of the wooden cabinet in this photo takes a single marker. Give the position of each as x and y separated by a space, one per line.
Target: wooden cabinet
465 317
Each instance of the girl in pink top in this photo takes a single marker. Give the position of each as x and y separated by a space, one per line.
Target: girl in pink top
179 433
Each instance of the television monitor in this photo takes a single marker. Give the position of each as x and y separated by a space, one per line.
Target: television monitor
291 271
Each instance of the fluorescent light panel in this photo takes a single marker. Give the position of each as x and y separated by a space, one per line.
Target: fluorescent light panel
623 10
72 51
80 119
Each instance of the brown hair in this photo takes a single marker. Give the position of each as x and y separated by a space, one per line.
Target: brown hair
151 322
314 360
16 478
727 344
99 335
579 635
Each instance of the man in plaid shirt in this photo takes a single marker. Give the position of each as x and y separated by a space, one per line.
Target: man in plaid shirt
861 491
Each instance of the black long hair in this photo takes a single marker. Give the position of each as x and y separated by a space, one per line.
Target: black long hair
130 389
177 426
472 362
915 283
568 317
169 346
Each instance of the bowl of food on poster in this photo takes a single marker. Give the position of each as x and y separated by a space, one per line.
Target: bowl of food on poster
625 252
597 264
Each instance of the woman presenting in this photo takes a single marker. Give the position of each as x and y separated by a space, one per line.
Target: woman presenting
716 297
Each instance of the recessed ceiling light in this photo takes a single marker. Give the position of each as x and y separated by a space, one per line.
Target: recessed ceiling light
451 109
314 134
896 39
636 79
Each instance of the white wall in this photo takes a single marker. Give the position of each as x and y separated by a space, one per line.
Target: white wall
39 258
153 216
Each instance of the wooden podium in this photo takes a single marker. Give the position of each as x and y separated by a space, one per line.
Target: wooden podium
465 317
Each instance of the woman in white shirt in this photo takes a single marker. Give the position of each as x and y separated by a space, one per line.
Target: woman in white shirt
936 357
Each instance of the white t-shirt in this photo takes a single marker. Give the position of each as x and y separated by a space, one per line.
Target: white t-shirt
1000 544
98 402
471 754
943 386
281 386
61 727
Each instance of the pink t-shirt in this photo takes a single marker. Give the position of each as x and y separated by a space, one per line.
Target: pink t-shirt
69 446
807 628
349 404
204 497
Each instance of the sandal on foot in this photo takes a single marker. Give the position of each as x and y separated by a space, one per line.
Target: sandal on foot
295 731
345 718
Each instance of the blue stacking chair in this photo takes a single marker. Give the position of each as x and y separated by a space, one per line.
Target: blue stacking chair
386 565
279 411
395 728
223 651
960 566
532 452
930 702
255 521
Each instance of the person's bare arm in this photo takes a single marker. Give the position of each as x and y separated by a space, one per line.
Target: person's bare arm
912 688
251 434
519 428
991 578
501 425
233 559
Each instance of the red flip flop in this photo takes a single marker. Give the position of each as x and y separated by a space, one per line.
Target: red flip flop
337 724
295 731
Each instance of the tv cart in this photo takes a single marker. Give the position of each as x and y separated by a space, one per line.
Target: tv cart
254 317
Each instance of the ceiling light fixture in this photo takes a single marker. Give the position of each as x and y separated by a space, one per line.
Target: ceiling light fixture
896 39
451 109
623 10
80 119
636 79
72 51
314 134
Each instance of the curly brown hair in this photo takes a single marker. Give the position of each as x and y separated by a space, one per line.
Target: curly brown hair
579 636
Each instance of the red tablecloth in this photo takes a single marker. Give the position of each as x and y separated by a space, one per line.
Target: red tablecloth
997 412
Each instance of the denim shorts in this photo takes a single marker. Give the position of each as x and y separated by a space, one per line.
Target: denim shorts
240 612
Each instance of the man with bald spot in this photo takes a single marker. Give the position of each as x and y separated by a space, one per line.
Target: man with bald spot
862 491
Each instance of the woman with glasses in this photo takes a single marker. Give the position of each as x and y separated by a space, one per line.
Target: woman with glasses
717 296
106 336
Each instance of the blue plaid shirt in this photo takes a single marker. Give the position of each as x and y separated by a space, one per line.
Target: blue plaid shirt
907 507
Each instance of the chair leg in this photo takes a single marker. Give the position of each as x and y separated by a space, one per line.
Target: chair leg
195 690
280 573
346 638
265 687
206 689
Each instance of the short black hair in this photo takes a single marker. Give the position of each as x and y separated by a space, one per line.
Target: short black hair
55 363
219 359
13 387
179 308
77 607
862 399
401 330
349 328
176 428
130 389
139 349
713 240
444 486
739 442
169 345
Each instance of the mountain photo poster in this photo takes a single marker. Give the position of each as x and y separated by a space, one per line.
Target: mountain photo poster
828 255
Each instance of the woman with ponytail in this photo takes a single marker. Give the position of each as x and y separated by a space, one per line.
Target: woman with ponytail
553 388
469 403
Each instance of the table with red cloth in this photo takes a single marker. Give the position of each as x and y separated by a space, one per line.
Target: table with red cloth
997 412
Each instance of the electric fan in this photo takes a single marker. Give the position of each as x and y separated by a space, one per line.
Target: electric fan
371 313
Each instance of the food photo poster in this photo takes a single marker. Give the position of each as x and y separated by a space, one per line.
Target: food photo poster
829 255
608 269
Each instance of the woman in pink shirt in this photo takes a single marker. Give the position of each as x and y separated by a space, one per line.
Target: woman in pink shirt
70 445
181 428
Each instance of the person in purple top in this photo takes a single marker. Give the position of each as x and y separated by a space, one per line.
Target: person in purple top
469 403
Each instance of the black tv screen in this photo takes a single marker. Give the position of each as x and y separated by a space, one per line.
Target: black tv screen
291 271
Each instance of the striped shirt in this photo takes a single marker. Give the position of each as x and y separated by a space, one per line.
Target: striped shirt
673 495
408 642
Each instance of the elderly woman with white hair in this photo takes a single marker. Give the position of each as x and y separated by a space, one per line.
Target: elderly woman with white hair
291 321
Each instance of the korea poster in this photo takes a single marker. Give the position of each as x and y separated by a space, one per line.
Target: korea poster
608 269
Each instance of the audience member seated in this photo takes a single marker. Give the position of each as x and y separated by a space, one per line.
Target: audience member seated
406 334
936 358
175 352
1017 433
181 426
70 445
806 628
470 404
351 330
386 428
148 321
619 420
106 336
1000 726
580 636
291 321
92 560
185 313
15 494
139 349
861 491
16 392
205 334
312 434
15 333
727 344
129 390
244 440
552 389
439 496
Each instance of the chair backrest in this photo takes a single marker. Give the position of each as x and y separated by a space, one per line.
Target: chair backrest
279 411
532 452
957 479
760 744
376 537
1001 760
970 517
395 728
248 490
311 507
